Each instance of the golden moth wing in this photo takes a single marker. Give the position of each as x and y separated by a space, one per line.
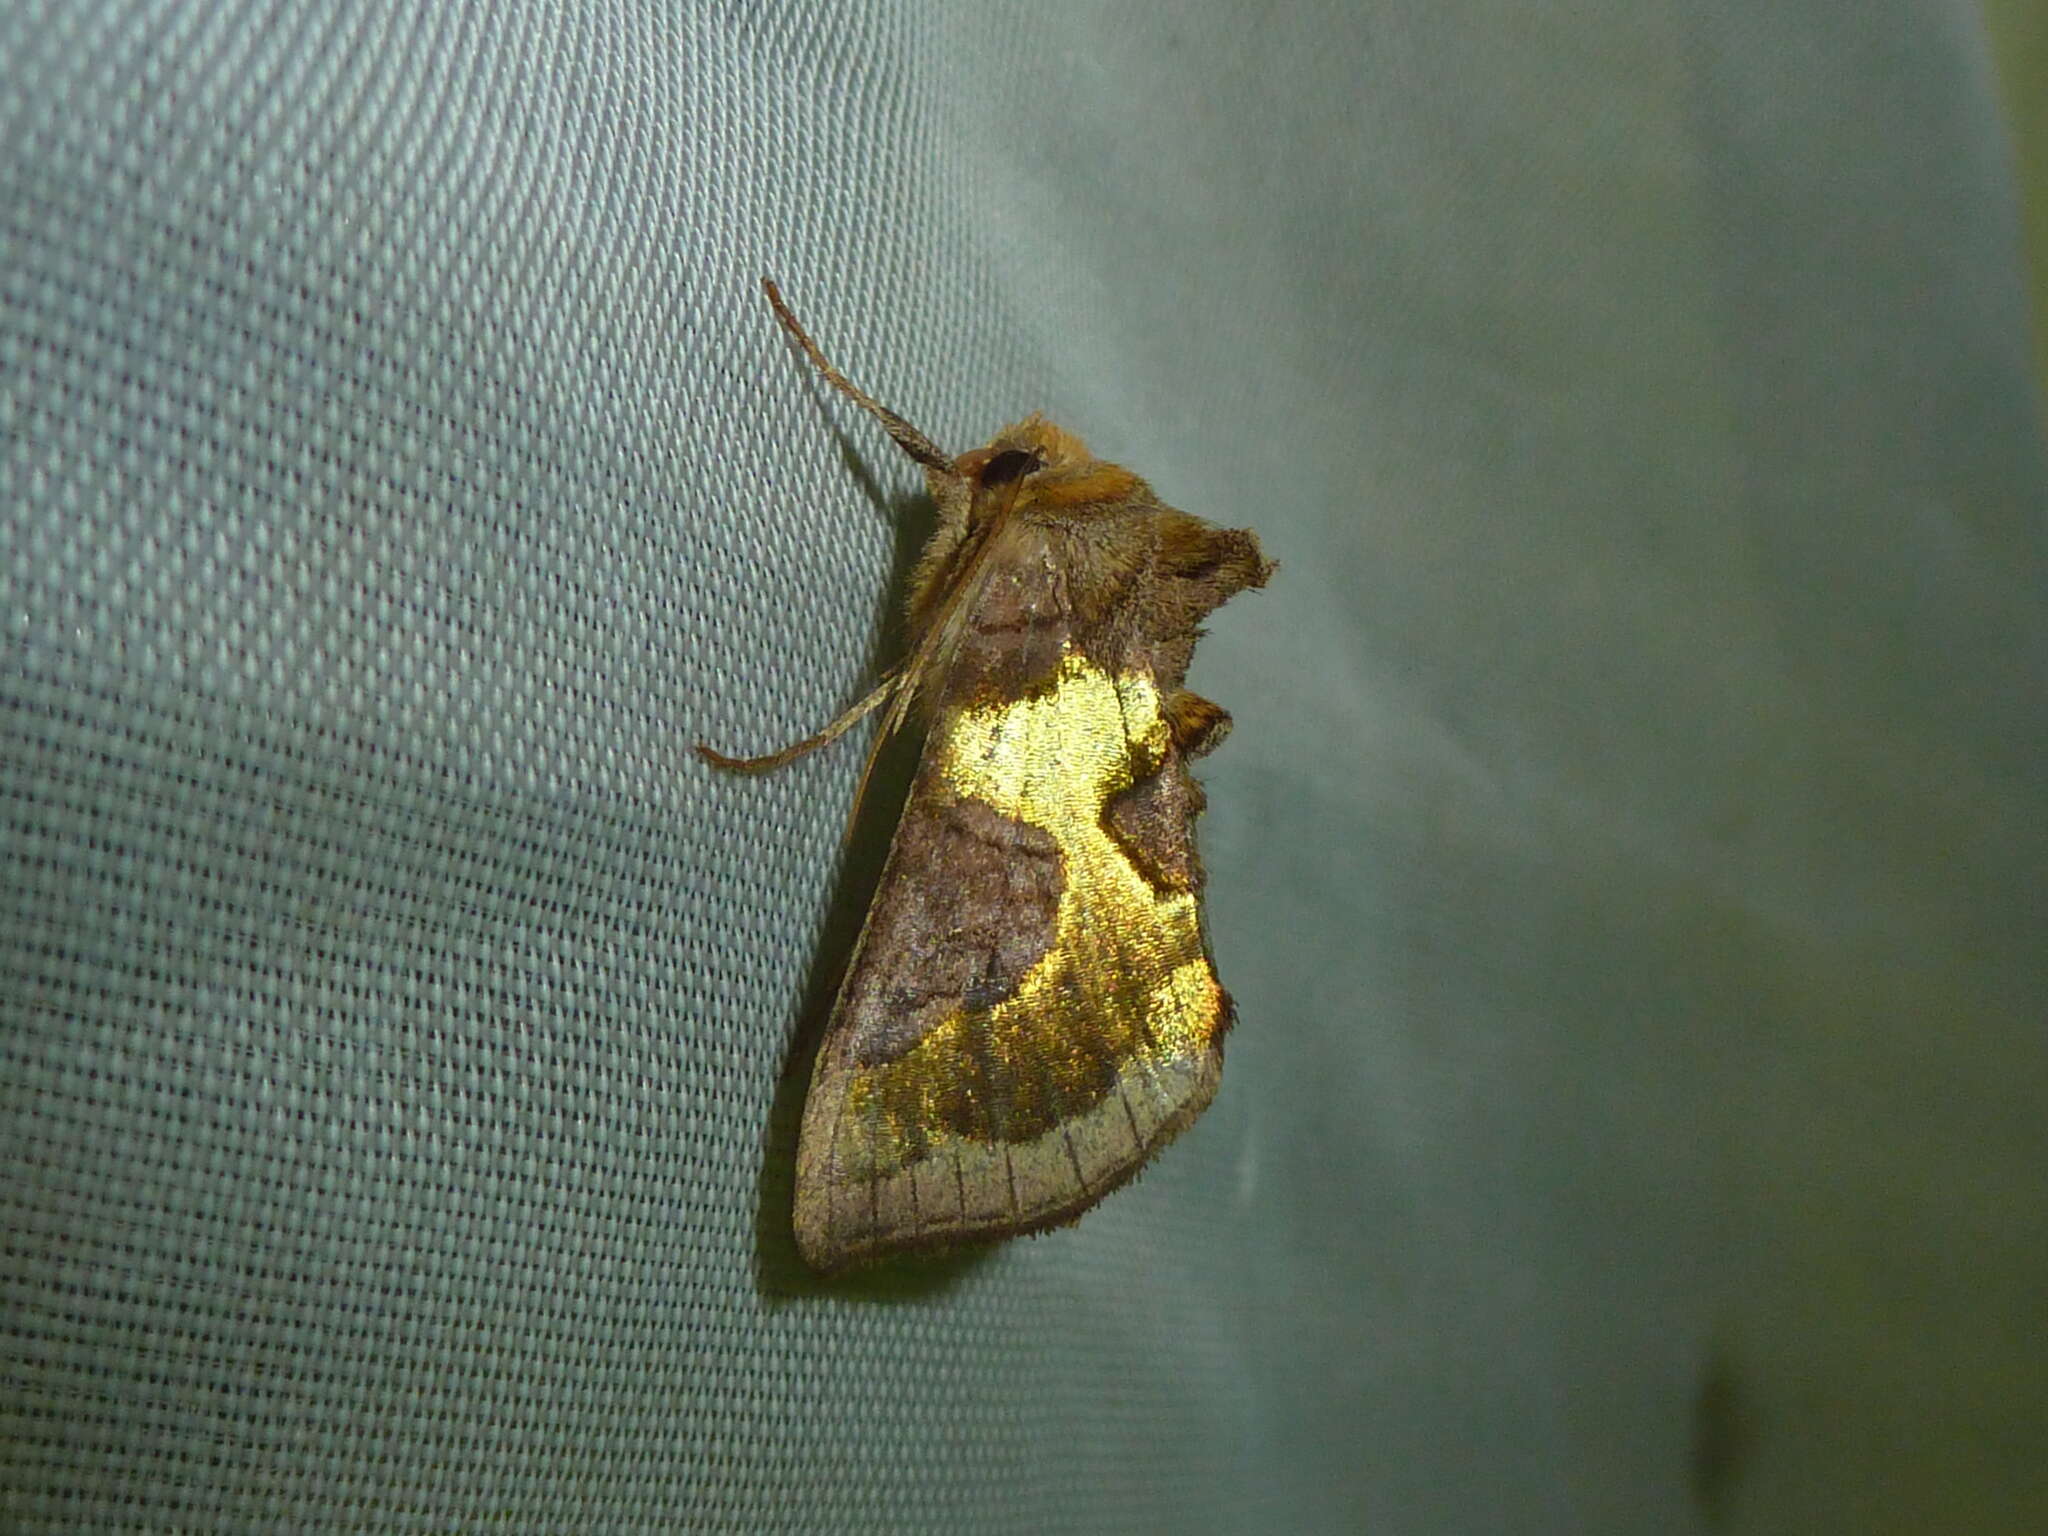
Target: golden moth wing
1031 1011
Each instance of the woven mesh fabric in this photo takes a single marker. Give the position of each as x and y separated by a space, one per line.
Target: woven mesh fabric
1626 863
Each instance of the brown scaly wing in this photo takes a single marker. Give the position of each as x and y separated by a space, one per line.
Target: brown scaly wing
1031 1012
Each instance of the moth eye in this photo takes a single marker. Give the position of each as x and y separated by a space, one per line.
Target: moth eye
1012 465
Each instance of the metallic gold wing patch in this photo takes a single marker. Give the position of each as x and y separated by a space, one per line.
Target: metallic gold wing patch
998 1071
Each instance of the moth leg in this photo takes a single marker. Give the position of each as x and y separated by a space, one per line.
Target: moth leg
769 762
1197 725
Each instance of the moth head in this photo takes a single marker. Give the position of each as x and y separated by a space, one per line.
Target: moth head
1035 466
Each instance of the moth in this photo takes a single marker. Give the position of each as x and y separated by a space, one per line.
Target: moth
1031 1011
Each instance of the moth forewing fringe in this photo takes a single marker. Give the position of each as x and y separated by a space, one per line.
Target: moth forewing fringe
1031 1010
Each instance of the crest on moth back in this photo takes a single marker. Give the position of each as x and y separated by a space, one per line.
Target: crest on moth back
1031 1010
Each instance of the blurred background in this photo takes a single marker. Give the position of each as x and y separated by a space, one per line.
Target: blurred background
2019 43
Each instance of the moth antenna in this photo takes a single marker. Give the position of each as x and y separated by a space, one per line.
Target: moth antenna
907 437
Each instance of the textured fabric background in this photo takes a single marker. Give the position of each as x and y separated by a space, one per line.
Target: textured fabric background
1628 862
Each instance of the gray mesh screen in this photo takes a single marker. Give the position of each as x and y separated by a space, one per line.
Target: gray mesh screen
1627 862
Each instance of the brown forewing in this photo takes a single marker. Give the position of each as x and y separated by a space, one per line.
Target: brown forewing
965 914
